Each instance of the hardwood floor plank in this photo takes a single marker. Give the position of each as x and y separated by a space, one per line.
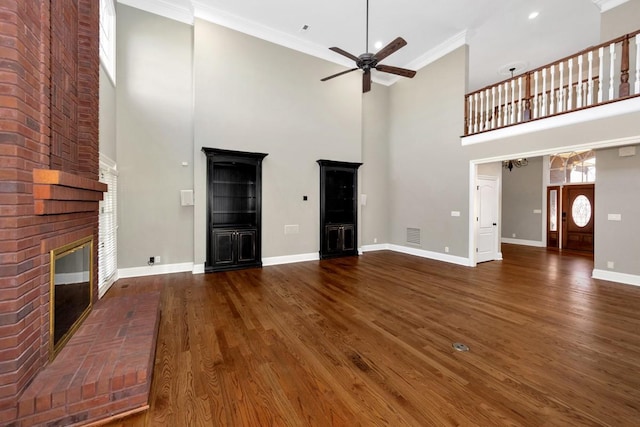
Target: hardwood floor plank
367 341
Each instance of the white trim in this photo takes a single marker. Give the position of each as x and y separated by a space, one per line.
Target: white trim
523 242
376 247
432 55
168 9
612 276
106 286
473 172
198 269
151 270
617 108
431 255
290 259
605 5
107 162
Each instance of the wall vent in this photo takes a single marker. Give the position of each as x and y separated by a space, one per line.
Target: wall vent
413 236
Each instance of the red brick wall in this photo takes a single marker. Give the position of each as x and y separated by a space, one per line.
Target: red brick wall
48 120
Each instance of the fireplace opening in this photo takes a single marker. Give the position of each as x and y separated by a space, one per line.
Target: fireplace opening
71 291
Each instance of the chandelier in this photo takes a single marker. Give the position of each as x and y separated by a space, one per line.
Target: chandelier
518 163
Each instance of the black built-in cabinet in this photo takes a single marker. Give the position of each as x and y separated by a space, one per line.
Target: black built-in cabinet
234 209
338 208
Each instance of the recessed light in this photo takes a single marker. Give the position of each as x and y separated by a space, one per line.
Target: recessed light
378 45
533 15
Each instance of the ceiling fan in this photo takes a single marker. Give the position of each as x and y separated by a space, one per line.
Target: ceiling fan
368 61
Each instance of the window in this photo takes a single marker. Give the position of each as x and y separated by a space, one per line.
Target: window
108 37
572 168
108 227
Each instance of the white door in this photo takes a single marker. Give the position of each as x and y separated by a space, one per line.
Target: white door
487 220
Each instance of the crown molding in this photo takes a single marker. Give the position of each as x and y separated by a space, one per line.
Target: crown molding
220 17
164 8
605 5
432 55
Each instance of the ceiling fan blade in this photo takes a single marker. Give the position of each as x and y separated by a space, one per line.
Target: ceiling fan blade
396 70
338 74
344 53
390 48
366 81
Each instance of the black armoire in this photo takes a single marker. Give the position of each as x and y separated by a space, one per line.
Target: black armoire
234 209
338 208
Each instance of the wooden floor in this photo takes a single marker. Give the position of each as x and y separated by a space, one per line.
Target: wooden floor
368 341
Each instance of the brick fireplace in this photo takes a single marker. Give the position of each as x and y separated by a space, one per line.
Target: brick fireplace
49 189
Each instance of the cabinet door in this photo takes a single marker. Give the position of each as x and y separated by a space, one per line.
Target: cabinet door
246 246
333 238
223 247
348 237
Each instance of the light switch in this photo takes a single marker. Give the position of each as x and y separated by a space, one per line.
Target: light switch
455 213
614 217
186 197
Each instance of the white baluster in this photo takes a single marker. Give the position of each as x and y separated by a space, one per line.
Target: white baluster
493 108
600 74
483 122
519 99
570 86
637 85
561 89
612 71
470 116
506 103
535 96
543 111
552 100
500 109
590 78
475 115
489 111
579 86
513 101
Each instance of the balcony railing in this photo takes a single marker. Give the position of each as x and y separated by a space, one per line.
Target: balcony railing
592 77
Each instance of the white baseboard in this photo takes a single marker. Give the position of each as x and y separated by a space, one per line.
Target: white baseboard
289 259
377 247
522 242
431 255
612 276
152 270
198 269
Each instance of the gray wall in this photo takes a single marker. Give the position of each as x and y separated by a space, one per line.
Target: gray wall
620 20
252 95
521 195
154 135
429 171
107 118
617 191
374 175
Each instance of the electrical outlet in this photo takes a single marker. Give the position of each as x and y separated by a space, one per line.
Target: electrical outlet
375 240
513 235
157 259
446 249
610 265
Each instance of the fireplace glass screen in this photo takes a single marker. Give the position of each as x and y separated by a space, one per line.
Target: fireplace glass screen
71 290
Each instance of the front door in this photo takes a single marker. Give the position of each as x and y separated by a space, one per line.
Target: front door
577 217
487 220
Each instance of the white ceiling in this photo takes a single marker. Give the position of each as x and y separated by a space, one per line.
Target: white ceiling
498 32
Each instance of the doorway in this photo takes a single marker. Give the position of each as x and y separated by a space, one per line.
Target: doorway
487 219
570 217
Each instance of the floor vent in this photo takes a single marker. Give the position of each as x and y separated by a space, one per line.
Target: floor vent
460 347
413 236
